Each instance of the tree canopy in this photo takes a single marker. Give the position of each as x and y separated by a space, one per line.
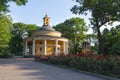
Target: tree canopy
111 40
19 32
102 12
5 27
74 29
5 36
4 4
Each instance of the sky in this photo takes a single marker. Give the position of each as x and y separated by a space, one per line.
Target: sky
34 11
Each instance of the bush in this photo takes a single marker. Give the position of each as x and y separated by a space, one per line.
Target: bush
4 53
102 64
1 55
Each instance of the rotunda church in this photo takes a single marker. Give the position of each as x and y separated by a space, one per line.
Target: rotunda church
45 41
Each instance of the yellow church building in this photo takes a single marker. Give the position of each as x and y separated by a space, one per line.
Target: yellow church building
45 41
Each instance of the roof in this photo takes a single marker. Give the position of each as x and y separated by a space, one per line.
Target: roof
46 28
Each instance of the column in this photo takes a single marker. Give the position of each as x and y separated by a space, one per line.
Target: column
56 47
26 47
45 53
23 49
33 48
64 48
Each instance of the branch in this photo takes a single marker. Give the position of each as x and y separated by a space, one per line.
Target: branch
107 20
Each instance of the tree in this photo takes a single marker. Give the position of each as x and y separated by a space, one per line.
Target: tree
74 29
5 27
106 37
4 4
92 38
115 41
30 28
16 40
111 40
19 32
5 36
102 12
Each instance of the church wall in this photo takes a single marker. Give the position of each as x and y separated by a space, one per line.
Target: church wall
60 50
50 47
39 48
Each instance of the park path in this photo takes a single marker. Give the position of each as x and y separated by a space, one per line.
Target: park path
28 69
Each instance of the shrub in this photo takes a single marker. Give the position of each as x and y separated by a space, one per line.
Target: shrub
4 53
102 64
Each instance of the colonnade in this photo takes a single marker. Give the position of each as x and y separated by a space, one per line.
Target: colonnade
65 47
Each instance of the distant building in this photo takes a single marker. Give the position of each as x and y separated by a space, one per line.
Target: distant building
85 47
45 42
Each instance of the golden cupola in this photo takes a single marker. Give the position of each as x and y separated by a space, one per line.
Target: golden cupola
46 21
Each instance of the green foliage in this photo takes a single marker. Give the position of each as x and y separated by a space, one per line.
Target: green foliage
96 64
16 44
19 32
5 27
4 4
74 29
111 40
16 40
58 60
5 53
102 12
30 28
115 49
91 38
5 35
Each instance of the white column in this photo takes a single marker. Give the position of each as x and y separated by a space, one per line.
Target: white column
45 53
64 47
26 47
33 48
56 47
23 48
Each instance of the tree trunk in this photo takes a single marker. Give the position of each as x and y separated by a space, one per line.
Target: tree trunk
100 45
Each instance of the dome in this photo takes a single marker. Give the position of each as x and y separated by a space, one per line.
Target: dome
46 28
46 33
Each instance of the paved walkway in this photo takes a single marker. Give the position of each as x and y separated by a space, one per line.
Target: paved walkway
28 69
